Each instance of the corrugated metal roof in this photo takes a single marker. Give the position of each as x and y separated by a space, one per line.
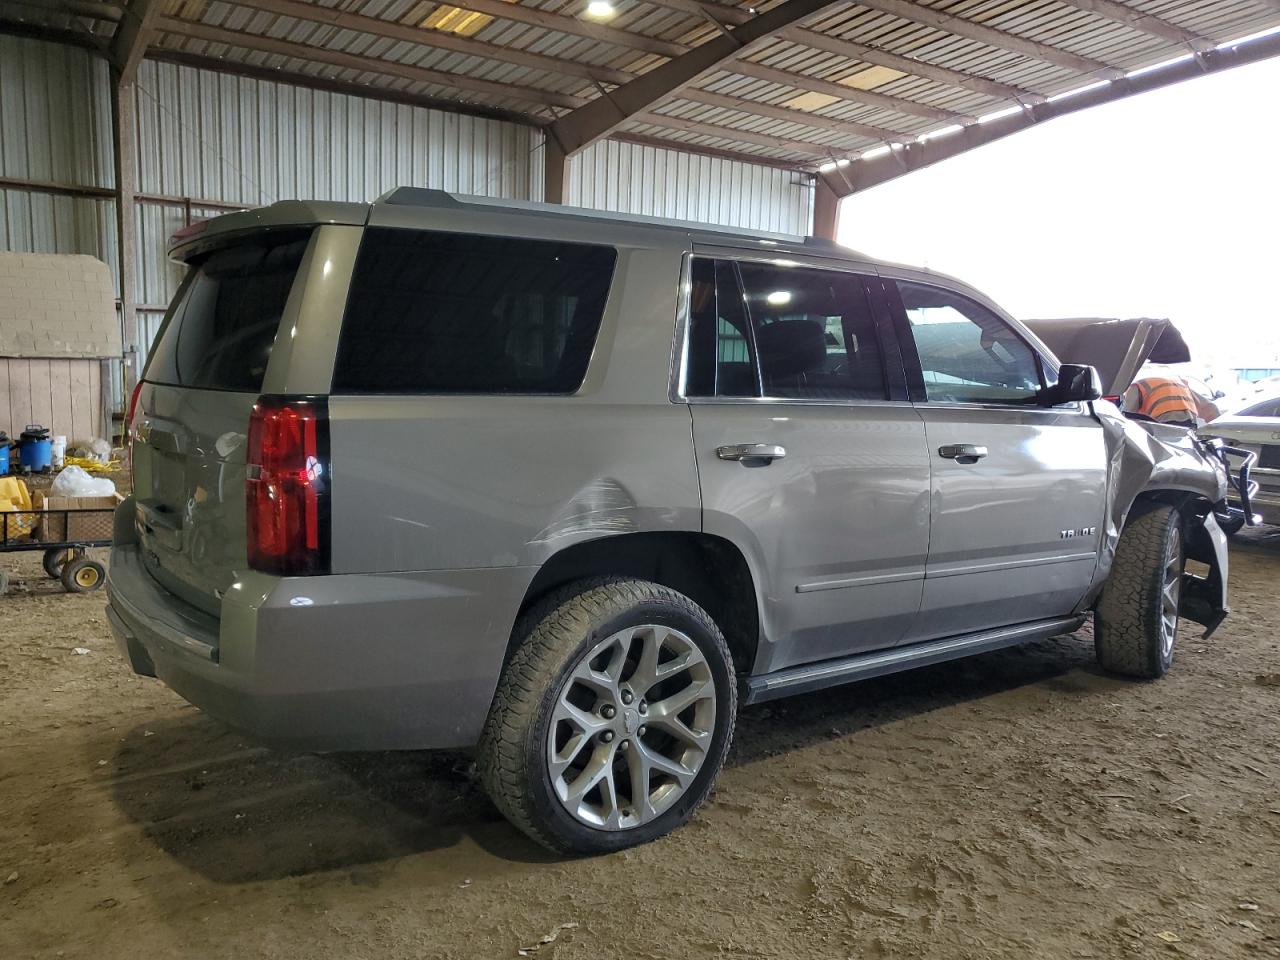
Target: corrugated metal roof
539 58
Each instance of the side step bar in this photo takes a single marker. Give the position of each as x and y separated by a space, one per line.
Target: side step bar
863 666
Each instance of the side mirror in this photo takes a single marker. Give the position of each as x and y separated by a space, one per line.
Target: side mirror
1076 383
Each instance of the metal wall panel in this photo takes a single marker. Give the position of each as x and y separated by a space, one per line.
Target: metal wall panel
219 137
632 178
55 114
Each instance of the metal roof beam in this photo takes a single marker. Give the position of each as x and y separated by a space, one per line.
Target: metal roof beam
1147 23
605 114
658 143
910 10
862 174
136 28
424 36
916 68
366 64
1000 39
734 16
787 115
734 135
808 84
571 25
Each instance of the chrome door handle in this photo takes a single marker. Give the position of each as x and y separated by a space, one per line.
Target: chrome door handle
768 452
963 452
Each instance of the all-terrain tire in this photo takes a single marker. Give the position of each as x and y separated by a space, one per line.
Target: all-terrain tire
1129 635
551 639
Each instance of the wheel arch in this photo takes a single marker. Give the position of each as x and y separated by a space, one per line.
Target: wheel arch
711 571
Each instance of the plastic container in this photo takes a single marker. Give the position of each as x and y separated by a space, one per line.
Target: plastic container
35 453
59 452
5 444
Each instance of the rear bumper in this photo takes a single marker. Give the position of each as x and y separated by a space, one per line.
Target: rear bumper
343 662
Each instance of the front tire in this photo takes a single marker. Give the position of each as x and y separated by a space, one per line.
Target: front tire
1135 622
612 718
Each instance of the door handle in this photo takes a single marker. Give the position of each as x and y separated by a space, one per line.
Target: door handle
963 452
768 452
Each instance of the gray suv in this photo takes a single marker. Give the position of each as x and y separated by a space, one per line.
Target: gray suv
568 488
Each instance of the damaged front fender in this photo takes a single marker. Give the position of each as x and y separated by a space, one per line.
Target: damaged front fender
1152 463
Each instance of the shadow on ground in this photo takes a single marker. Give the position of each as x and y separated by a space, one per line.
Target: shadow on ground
238 812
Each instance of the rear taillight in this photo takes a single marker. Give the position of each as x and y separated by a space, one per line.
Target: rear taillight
133 412
287 486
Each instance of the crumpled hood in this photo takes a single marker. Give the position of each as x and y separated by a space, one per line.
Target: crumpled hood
1117 348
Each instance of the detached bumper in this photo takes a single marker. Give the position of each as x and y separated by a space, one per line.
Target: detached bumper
343 662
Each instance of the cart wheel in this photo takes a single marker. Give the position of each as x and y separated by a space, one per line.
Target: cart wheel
82 575
54 560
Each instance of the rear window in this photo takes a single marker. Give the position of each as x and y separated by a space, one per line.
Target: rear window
223 324
432 312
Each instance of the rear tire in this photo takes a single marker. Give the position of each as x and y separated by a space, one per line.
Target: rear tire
82 575
1136 619
611 719
54 560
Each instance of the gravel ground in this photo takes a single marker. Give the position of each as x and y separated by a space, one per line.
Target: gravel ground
1020 804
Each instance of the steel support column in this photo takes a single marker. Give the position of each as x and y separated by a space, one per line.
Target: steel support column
826 210
555 170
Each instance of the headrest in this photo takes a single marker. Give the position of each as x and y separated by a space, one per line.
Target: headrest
791 347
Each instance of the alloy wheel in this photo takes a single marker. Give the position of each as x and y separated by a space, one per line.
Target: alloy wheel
1170 592
631 727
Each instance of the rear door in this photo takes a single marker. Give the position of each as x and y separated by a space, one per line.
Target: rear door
236 317
1017 490
809 455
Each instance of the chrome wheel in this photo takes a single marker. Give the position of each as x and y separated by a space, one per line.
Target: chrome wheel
1170 592
631 727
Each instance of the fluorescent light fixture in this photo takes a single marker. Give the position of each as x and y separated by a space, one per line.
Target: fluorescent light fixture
941 132
842 162
1066 95
874 152
600 9
827 167
778 298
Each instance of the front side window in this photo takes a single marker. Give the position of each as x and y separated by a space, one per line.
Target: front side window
432 312
967 353
760 329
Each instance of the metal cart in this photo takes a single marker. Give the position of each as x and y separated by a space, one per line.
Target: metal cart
65 536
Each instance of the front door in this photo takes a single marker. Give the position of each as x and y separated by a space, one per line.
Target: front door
809 456
1018 490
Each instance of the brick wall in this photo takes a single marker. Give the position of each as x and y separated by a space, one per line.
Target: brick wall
55 305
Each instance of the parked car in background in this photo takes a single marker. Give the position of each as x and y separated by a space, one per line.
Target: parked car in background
1255 428
567 487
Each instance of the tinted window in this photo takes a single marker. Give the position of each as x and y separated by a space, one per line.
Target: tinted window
795 332
722 357
223 324
458 313
1268 408
967 353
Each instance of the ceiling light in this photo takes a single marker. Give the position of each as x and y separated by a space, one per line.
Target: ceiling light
779 297
600 9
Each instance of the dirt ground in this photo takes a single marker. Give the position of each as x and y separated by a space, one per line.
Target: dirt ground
1020 804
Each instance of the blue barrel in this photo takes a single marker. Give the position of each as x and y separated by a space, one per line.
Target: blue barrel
35 450
4 453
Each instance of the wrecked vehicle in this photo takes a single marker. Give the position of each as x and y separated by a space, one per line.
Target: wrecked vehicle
568 487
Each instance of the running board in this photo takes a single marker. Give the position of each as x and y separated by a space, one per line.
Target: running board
863 666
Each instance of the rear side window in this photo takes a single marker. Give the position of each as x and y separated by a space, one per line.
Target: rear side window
432 312
224 320
759 329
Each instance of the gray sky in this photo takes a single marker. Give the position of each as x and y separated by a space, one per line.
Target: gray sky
1165 204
